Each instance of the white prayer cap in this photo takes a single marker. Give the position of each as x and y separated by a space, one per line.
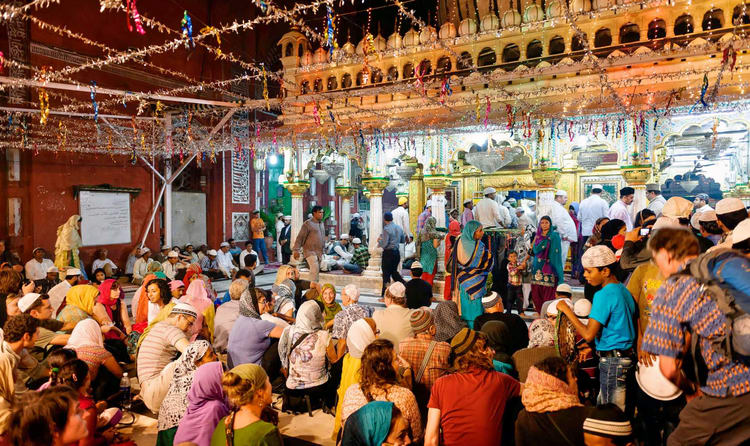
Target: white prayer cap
355 215
72 272
184 308
741 231
173 254
397 289
727 205
552 308
212 252
677 207
597 186
582 308
344 237
357 241
598 256
223 244
561 193
27 301
489 190
145 249
53 269
564 288
165 247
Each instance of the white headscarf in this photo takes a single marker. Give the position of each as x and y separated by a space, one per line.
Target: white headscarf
86 333
359 337
309 320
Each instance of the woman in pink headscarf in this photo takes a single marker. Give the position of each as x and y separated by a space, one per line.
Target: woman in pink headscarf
197 295
454 230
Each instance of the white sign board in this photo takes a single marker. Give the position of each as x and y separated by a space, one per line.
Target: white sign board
105 218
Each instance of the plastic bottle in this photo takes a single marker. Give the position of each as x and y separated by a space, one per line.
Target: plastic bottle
125 391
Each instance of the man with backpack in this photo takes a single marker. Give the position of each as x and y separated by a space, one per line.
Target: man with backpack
695 319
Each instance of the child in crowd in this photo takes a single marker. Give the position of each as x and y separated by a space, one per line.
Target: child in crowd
607 425
56 360
515 283
611 324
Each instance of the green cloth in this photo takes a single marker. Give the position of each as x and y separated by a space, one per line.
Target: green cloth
470 308
329 312
428 256
552 256
166 437
259 433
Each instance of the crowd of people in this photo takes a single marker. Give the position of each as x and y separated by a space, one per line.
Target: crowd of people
653 351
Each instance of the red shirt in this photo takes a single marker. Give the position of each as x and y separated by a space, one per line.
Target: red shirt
471 406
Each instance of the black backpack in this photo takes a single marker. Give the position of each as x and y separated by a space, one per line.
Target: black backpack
735 344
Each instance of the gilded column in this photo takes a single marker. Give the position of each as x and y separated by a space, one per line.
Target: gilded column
297 189
346 194
375 187
416 198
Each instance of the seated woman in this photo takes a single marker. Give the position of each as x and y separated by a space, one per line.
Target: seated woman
251 337
552 415
111 296
197 295
174 405
447 321
379 381
206 406
375 424
541 346
249 393
160 304
283 296
292 273
305 349
360 335
498 338
81 303
88 344
99 276
56 409
330 307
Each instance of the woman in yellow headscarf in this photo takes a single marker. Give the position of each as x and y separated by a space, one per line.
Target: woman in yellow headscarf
80 304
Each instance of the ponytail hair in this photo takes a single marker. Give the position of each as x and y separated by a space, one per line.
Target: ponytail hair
56 360
73 373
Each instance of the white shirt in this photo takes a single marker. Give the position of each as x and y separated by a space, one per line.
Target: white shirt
170 270
401 218
343 253
225 260
38 270
657 204
592 209
242 257
705 208
561 218
489 213
57 295
619 210
96 264
140 269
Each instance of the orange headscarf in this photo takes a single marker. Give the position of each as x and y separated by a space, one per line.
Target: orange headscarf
141 313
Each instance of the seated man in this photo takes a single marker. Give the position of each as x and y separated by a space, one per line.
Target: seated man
101 261
156 355
172 264
36 268
495 311
20 333
141 266
52 279
210 265
359 259
58 292
38 307
226 261
418 291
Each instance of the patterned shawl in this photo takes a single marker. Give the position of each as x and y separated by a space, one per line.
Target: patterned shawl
546 393
472 276
175 404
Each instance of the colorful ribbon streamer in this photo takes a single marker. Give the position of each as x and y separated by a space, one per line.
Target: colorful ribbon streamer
212 30
265 88
330 32
704 89
131 9
487 110
93 101
187 30
43 106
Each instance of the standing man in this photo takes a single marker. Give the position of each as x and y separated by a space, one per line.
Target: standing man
523 220
390 238
655 199
36 268
279 227
489 213
310 242
401 218
565 225
468 214
592 209
285 242
701 203
258 227
619 209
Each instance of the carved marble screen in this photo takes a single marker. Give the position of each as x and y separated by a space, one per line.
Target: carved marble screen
241 160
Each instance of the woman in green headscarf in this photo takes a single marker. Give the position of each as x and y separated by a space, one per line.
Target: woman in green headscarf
249 393
330 307
427 242
469 264
374 424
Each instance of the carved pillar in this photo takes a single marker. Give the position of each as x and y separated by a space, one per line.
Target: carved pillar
438 183
416 198
636 177
346 194
297 189
375 188
546 180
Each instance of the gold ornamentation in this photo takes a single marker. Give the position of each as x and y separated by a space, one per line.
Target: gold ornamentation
346 192
636 175
437 183
507 182
297 188
375 185
546 178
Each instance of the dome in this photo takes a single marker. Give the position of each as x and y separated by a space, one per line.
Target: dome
467 27
428 34
348 48
307 59
511 18
360 47
577 6
554 9
447 31
320 56
489 22
533 13
411 38
380 43
394 41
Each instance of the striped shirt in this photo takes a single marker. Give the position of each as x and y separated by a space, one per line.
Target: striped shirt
680 307
361 256
158 349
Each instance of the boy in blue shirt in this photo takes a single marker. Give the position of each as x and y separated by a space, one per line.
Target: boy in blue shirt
612 325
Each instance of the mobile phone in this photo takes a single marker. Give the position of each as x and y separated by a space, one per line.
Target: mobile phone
645 231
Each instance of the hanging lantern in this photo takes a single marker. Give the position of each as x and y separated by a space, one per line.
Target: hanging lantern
333 169
321 175
407 168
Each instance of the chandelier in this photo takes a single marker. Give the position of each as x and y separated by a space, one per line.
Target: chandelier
494 159
321 175
333 169
589 160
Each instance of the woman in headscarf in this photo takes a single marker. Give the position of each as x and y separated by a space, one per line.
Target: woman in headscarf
192 271
541 346
292 273
111 297
67 244
552 415
305 348
613 234
249 393
470 263
427 242
361 334
596 235
284 297
546 268
498 338
377 423
252 340
88 343
197 296
330 307
81 303
174 405
454 230
206 406
447 321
